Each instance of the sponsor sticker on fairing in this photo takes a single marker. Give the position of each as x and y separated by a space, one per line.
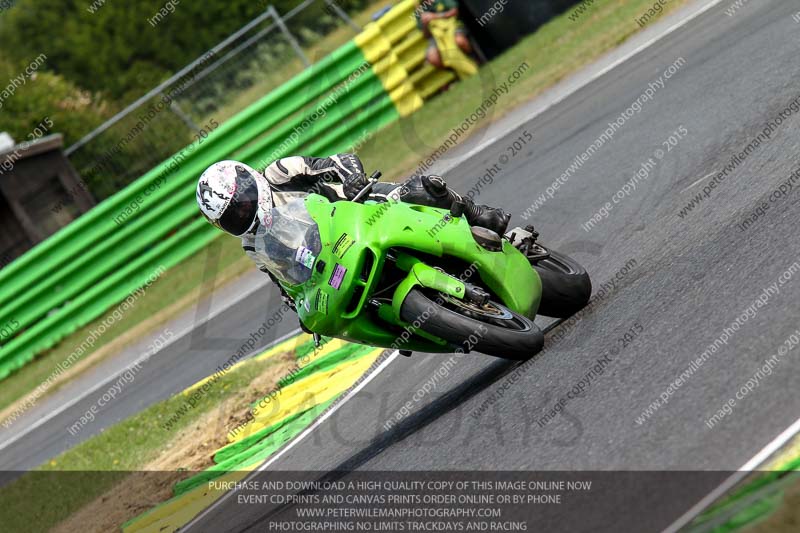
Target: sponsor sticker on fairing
305 257
337 276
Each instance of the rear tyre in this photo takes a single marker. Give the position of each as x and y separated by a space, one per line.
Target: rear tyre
566 287
493 329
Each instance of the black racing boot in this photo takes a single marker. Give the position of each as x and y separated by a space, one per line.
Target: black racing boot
484 216
434 192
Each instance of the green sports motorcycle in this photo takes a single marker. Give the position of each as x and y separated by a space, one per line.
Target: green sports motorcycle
415 278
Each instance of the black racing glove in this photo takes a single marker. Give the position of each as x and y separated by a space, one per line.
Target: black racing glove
353 184
435 186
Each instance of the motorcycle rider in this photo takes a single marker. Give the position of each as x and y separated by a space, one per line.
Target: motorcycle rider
237 199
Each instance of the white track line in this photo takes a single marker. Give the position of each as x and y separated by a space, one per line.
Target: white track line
54 413
391 357
746 469
647 44
701 180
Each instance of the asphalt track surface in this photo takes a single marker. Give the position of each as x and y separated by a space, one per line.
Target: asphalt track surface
694 276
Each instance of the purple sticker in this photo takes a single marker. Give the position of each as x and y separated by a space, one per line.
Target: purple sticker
337 276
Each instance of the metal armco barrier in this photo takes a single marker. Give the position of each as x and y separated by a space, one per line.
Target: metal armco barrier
76 275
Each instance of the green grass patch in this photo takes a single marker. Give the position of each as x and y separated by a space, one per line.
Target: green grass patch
42 498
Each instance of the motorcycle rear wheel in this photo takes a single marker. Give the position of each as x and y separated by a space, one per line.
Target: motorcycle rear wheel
497 331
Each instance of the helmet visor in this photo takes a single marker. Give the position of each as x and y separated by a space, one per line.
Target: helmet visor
241 212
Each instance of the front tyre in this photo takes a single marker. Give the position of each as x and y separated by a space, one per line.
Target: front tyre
492 329
566 287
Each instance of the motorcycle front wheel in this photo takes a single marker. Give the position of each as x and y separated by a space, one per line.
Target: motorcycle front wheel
492 329
566 287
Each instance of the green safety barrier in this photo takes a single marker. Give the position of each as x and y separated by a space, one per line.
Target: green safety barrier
79 273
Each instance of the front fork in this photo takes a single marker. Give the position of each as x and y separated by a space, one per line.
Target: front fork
422 275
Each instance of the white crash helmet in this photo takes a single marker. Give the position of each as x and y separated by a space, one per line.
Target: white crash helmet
234 197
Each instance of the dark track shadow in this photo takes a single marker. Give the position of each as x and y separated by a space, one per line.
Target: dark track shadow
435 410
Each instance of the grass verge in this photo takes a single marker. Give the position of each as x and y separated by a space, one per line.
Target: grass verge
136 457
786 519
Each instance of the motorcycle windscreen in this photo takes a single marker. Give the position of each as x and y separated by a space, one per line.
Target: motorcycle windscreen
291 244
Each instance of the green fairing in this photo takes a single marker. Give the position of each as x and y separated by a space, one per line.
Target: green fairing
351 232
